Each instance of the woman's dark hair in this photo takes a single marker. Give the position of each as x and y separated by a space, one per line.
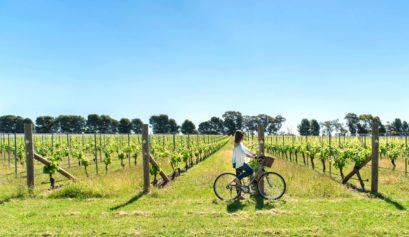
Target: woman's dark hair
238 136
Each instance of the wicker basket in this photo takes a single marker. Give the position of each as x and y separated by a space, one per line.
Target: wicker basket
268 161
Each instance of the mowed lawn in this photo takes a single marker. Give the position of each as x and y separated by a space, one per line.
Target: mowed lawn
314 205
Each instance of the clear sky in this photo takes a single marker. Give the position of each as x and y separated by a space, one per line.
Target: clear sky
195 59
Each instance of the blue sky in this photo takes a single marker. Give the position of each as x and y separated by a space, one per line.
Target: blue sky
195 59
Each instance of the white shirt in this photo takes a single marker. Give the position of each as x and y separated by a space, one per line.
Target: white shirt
240 153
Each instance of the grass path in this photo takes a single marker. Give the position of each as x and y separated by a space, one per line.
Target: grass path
313 206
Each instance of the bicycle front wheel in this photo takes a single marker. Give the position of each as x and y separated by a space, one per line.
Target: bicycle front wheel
271 186
225 188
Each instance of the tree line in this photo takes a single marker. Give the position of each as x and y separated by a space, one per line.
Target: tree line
161 124
354 125
72 124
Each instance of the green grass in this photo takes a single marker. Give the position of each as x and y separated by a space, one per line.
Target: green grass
112 205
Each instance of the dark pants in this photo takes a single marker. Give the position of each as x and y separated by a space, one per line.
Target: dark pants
244 171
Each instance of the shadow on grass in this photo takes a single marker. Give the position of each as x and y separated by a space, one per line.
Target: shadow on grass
5 200
380 196
130 201
388 200
260 202
235 206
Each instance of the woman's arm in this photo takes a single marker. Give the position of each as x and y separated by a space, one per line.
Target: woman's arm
248 152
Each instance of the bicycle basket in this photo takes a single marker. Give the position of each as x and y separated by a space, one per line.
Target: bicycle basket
268 161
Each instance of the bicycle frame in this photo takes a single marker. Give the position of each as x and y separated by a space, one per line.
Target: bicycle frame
257 175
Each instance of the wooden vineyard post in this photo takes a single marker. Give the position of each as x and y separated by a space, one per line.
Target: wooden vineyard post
28 138
188 141
174 142
69 149
330 163
15 155
52 143
261 149
100 147
8 147
375 157
306 142
96 154
406 156
129 150
283 148
146 156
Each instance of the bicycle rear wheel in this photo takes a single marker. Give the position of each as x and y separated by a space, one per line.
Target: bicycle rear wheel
271 186
225 188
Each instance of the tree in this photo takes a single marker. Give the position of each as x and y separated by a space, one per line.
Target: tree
188 127
173 127
137 126
405 127
250 123
233 121
382 129
304 127
70 123
11 124
160 123
328 127
93 123
124 126
205 127
265 120
352 123
45 124
271 125
278 123
314 127
364 125
108 124
275 124
113 128
396 127
216 125
339 128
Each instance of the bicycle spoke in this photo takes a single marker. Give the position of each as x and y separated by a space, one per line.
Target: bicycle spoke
275 187
225 188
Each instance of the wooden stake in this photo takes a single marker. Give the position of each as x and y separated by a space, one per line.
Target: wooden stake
174 141
261 149
375 157
406 158
8 147
96 152
146 157
15 155
28 137
60 170
161 173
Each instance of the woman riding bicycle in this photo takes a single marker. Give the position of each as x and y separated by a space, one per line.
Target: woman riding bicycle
240 159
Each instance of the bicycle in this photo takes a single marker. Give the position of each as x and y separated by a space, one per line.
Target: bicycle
269 185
